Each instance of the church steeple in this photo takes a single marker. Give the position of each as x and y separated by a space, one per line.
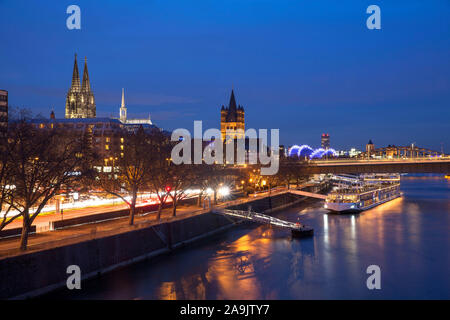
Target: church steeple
232 119
86 84
232 109
75 76
123 109
232 105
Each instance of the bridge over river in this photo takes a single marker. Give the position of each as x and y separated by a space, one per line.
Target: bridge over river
411 165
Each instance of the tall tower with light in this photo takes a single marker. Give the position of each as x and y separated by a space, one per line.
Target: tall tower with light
325 141
123 109
232 120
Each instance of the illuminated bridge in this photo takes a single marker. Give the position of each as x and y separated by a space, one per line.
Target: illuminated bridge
393 151
306 152
411 165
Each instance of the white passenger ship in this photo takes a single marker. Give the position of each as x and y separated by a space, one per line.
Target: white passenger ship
363 192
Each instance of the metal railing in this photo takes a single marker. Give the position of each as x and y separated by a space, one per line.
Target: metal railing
261 218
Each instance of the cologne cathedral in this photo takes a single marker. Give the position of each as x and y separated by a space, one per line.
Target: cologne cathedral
80 102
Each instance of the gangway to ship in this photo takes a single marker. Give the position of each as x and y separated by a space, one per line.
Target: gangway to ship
308 194
297 229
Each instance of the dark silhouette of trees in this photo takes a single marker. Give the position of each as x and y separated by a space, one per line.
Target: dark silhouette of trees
129 170
40 162
6 182
158 181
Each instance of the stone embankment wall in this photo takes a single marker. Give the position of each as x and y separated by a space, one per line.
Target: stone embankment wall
35 273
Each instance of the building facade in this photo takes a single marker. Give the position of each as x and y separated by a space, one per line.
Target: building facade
80 101
370 148
123 117
325 141
232 120
107 136
3 110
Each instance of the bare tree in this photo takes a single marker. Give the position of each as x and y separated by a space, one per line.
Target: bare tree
270 181
158 180
41 162
215 177
181 178
290 171
129 170
6 182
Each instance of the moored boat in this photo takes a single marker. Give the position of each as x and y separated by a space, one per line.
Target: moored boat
371 191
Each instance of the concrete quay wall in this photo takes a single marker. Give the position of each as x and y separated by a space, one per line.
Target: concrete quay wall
36 273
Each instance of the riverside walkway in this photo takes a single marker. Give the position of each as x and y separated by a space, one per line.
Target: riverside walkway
89 231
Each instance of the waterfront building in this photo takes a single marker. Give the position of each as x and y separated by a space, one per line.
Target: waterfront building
325 141
232 118
370 148
80 101
342 153
3 110
353 152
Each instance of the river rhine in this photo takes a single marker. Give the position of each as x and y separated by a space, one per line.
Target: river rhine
408 238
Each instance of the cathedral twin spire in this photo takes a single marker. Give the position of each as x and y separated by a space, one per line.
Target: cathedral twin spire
80 102
76 77
86 86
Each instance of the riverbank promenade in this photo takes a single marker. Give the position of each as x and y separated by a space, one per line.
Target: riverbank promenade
89 231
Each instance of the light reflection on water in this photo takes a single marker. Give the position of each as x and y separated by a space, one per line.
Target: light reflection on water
407 237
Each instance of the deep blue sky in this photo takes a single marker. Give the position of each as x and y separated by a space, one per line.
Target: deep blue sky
306 67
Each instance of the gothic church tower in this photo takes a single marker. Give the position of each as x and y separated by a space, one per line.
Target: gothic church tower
232 119
80 102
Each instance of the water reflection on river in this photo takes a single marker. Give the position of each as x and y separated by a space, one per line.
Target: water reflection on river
407 237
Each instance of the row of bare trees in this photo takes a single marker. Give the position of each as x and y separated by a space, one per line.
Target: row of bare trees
34 166
37 164
146 166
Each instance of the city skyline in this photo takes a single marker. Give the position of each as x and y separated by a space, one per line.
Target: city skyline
224 155
181 67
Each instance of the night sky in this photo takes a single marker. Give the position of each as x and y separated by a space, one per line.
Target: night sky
306 67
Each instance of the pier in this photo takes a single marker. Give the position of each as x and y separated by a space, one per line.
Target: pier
297 229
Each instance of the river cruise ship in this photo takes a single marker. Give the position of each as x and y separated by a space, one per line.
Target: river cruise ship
365 193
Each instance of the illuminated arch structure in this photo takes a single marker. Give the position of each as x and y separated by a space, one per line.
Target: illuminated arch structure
304 151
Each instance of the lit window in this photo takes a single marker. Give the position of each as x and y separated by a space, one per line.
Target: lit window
107 139
121 147
121 140
106 147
